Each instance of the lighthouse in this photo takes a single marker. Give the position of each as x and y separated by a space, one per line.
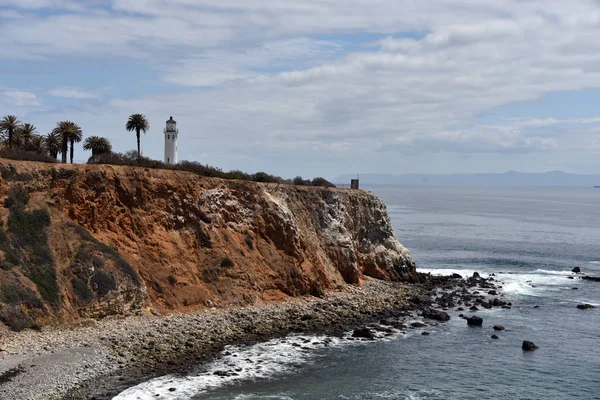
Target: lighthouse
171 133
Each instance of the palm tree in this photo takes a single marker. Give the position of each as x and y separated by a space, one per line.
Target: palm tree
9 124
53 143
23 134
98 146
69 133
138 123
36 144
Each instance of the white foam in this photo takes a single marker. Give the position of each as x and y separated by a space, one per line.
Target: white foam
259 361
536 282
595 262
465 273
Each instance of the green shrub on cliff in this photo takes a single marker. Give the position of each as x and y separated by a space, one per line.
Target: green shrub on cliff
16 318
131 158
27 232
103 282
17 197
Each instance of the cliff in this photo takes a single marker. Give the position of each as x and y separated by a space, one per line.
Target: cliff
93 241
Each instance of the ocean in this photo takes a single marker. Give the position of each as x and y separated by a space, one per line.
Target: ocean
530 238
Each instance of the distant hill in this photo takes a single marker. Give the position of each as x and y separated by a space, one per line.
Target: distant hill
510 178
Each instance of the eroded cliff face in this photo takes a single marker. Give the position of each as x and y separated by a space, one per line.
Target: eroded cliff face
127 239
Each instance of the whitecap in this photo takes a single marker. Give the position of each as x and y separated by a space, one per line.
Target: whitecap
238 363
465 273
537 282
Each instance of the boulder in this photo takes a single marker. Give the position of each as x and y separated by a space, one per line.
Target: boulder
456 276
498 328
434 314
585 306
363 332
576 270
473 308
493 292
476 275
528 346
474 321
494 337
425 333
418 324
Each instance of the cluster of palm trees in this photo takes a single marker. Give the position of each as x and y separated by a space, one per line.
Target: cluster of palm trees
62 139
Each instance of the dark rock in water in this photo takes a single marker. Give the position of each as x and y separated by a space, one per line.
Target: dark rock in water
476 275
224 373
425 333
473 308
172 389
536 306
418 324
460 309
493 293
487 305
528 346
474 321
363 332
570 277
437 315
575 288
456 276
498 303
494 337
577 270
591 278
585 306
498 328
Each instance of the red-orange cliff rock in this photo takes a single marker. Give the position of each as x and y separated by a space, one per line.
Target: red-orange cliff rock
126 239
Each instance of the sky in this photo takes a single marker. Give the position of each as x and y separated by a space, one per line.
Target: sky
317 87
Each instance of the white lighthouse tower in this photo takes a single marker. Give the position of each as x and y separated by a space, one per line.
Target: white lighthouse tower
171 133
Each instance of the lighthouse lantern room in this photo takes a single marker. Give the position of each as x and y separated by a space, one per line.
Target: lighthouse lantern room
171 133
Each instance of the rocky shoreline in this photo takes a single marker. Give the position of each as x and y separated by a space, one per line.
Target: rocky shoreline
68 362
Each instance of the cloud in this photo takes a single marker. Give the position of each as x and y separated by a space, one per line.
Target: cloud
306 80
74 93
21 98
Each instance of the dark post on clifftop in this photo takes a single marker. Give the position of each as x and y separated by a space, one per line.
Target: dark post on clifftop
354 184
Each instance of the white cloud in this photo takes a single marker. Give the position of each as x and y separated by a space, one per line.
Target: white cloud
74 93
20 98
284 80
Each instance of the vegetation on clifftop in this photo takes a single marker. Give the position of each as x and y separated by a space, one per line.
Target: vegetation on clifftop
22 143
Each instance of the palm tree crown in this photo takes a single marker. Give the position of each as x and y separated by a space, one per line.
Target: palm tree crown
23 135
70 133
36 144
97 145
9 125
53 143
138 123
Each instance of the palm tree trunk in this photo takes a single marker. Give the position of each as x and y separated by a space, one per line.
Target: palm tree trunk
10 137
72 145
138 141
65 147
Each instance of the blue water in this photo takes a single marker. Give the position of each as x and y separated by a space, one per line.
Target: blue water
530 238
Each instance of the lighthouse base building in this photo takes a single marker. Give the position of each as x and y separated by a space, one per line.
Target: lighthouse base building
171 133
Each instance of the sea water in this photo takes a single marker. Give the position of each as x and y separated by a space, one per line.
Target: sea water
529 238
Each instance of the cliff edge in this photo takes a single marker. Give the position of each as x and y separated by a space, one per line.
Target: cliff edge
98 240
